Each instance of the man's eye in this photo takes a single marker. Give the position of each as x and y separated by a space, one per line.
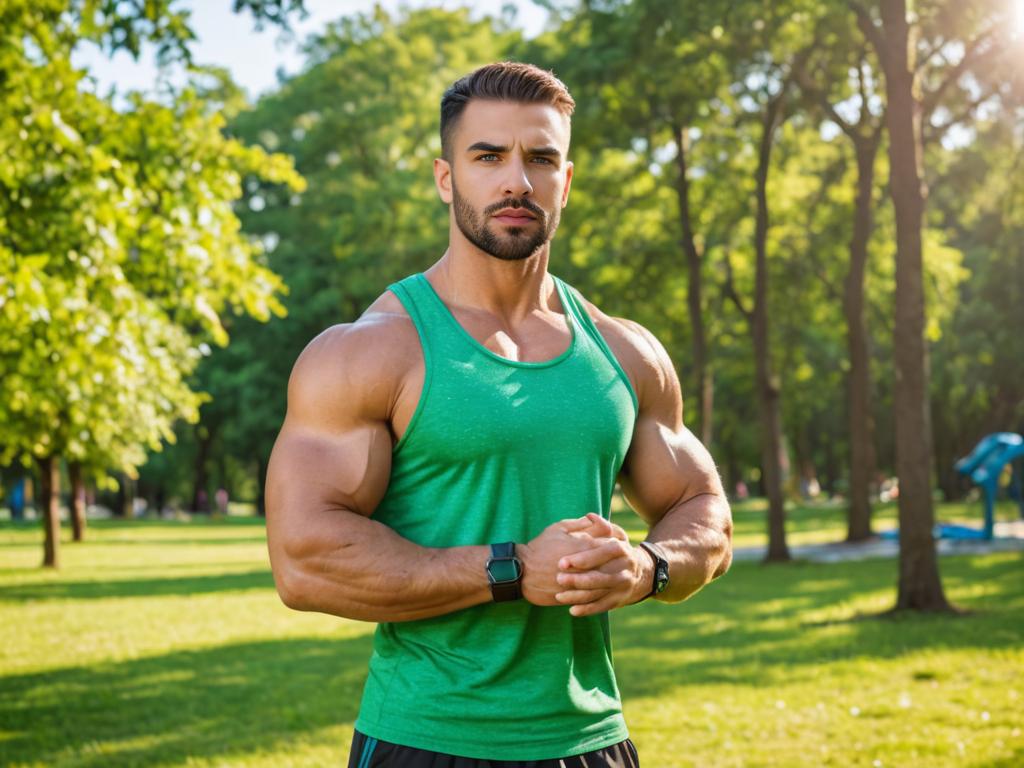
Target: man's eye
488 157
541 159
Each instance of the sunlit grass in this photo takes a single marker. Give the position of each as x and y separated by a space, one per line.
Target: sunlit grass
820 523
164 644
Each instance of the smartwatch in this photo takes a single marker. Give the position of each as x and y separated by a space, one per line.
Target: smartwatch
660 568
505 572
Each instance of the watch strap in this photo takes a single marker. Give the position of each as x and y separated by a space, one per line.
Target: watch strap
505 591
660 576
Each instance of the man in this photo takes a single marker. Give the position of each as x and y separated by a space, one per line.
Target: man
447 462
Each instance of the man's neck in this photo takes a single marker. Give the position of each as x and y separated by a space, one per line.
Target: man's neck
469 278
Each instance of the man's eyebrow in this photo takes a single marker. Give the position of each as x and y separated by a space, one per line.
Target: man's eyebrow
484 146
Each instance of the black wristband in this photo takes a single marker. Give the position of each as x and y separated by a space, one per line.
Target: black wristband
660 579
505 572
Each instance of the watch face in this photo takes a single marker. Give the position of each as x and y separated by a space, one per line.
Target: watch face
502 571
662 578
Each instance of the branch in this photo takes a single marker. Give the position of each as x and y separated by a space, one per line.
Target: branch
828 178
829 286
931 132
930 54
808 86
971 55
730 290
872 33
862 87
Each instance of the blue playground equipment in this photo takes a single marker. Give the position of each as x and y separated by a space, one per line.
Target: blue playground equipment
984 465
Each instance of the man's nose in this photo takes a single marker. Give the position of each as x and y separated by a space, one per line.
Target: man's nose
516 183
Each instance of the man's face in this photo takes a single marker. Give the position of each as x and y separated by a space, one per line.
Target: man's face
508 177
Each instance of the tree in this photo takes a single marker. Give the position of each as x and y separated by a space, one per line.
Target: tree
361 122
629 97
894 36
117 260
781 49
864 133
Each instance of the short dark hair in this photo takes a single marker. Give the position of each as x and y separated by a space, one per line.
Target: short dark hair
502 81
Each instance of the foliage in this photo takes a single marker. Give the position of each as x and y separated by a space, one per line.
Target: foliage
361 125
120 253
165 251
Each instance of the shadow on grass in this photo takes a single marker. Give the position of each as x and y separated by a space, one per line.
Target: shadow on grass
92 590
114 524
1013 761
233 699
142 542
760 626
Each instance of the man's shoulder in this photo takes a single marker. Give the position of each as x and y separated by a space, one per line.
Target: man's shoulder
383 334
365 360
641 355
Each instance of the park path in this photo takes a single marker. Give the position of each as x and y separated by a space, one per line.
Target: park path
1009 537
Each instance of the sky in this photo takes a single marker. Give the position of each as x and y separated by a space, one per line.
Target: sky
252 57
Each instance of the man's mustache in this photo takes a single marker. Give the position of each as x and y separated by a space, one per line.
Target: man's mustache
516 202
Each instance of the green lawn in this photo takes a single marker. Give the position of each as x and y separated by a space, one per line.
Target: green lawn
820 523
164 644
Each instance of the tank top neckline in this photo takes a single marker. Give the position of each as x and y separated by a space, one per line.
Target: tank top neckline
468 337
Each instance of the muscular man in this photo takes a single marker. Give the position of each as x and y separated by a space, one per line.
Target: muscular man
447 463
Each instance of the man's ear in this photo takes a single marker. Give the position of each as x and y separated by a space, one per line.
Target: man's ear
568 183
443 179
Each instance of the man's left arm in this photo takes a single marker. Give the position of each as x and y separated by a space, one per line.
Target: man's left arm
670 480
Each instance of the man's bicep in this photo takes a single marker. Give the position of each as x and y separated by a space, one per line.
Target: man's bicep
313 469
665 467
333 454
666 464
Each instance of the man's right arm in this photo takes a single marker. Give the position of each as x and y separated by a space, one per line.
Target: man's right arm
328 472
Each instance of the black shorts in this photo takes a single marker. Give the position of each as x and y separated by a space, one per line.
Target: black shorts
371 753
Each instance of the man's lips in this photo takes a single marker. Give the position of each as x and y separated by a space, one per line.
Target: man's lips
518 216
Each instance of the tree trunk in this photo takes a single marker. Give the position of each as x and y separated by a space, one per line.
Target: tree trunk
77 500
945 442
920 586
200 496
125 503
261 503
859 380
694 302
767 383
48 504
831 465
807 477
127 497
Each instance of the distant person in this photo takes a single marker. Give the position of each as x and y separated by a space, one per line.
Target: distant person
16 499
441 454
221 498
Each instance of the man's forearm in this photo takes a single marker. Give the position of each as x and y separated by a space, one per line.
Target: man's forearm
697 539
362 569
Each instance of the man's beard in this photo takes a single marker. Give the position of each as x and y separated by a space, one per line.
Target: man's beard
517 243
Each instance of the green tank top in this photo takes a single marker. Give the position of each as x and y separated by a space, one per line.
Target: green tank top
497 450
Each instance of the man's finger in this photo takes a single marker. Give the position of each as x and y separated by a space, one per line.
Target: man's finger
580 596
594 608
590 559
610 529
593 579
600 526
573 524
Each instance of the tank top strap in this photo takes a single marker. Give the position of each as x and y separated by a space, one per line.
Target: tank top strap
417 297
573 303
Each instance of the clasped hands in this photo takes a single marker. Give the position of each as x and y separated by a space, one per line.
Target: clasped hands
586 563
